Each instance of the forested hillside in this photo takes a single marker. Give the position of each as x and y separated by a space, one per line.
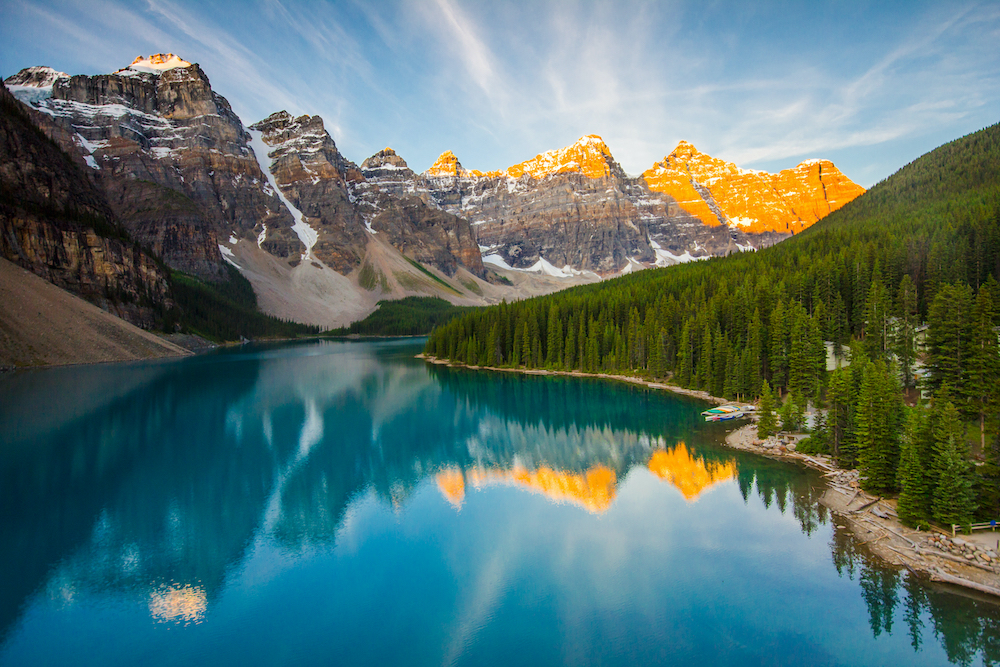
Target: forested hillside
922 246
409 316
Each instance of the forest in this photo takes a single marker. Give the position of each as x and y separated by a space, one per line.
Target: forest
410 316
899 288
224 311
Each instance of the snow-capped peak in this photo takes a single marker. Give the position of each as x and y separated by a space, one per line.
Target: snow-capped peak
38 76
156 63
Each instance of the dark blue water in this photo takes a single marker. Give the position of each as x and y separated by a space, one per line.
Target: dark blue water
344 503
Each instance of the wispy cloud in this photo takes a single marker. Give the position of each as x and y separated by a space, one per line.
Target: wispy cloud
499 82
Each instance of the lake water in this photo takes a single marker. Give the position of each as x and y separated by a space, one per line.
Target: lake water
344 503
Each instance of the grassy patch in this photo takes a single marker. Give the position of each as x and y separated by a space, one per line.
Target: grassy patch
420 267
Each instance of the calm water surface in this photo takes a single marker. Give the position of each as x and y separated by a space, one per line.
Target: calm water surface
343 503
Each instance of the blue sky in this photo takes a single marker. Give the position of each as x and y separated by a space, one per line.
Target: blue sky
870 85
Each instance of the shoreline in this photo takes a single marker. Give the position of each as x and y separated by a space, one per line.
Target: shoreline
962 562
702 395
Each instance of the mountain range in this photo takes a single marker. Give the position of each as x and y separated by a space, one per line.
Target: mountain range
322 239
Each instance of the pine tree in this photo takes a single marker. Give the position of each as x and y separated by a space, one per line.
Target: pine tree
779 347
988 480
954 502
984 361
948 338
877 432
903 343
913 506
791 414
767 425
838 419
877 334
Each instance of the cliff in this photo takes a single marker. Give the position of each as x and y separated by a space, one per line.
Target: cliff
56 222
719 192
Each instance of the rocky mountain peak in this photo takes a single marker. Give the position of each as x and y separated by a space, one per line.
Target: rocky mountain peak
589 156
384 159
38 76
156 63
447 165
719 192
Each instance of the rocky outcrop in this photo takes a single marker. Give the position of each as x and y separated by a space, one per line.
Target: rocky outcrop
172 156
570 210
759 203
343 205
55 222
314 176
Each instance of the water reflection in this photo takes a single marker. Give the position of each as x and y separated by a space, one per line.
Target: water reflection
157 482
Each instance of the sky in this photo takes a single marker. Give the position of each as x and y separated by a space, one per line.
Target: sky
869 85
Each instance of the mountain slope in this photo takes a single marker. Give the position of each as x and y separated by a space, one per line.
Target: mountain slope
56 222
728 324
719 192
41 324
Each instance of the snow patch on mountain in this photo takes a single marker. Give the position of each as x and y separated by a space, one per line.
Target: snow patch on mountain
306 234
155 64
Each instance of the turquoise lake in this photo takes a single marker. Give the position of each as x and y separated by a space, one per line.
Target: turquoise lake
344 503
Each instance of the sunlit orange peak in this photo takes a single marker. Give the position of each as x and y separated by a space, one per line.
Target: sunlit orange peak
451 483
159 61
589 156
593 490
446 165
719 192
690 475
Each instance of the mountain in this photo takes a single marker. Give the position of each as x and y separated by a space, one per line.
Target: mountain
172 157
574 210
185 179
323 240
571 212
57 223
729 324
719 192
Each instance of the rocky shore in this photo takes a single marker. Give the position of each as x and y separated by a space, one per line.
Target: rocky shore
968 561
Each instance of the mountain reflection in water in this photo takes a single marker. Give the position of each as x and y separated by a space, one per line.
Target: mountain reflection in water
170 487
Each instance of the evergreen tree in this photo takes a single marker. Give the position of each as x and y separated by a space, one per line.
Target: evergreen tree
877 328
948 338
954 502
913 506
767 425
984 361
988 481
839 399
779 347
877 429
791 414
903 343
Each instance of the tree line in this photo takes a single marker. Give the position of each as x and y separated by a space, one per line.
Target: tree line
916 259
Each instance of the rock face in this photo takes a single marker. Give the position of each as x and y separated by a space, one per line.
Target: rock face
566 211
344 205
55 222
313 176
171 155
719 192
